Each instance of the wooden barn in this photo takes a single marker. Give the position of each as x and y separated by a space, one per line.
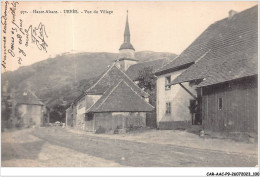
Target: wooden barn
118 108
114 101
231 106
225 74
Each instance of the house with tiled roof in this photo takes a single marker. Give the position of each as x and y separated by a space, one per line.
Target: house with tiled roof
114 101
219 70
30 111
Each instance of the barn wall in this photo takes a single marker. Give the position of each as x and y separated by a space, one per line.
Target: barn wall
104 120
239 112
80 121
132 119
118 120
81 107
178 98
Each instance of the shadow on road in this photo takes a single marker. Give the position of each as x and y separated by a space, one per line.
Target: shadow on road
28 150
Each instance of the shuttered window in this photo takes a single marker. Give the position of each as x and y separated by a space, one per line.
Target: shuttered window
167 82
168 108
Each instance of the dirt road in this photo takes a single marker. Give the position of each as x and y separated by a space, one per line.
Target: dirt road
58 147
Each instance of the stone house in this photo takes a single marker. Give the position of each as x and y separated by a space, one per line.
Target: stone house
30 111
172 101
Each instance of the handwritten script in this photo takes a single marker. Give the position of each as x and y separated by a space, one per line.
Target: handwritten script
37 35
17 38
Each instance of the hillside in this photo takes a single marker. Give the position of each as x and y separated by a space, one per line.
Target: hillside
59 80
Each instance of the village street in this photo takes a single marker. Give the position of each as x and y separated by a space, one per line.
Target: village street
55 146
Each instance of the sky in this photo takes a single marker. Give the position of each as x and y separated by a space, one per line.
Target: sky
154 26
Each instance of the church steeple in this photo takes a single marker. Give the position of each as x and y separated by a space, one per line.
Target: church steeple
127 31
126 56
127 44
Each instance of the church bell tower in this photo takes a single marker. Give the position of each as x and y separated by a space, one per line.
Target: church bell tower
126 51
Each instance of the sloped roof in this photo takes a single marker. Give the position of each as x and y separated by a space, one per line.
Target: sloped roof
126 45
121 98
109 78
134 70
217 36
28 98
229 53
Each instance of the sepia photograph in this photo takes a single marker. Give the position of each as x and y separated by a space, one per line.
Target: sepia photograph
130 84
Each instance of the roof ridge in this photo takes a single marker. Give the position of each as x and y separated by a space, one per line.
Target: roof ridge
96 101
101 77
109 94
138 94
202 56
131 80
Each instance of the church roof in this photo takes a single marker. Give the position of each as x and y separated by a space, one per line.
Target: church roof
109 78
228 51
121 98
28 98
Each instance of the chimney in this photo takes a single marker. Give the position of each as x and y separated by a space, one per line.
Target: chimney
231 13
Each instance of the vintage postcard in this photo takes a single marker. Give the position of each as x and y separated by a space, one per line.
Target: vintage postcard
129 84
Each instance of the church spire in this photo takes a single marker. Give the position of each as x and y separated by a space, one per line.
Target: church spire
126 56
127 44
127 31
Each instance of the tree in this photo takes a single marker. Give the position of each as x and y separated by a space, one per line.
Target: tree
147 81
5 111
57 113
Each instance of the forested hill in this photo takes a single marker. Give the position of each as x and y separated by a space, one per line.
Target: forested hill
60 79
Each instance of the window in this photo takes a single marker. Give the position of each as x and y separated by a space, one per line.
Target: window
168 108
167 82
220 104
